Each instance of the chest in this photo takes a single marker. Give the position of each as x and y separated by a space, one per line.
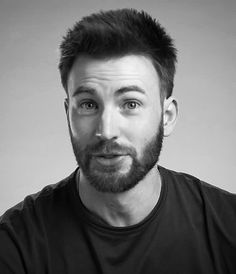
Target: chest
159 248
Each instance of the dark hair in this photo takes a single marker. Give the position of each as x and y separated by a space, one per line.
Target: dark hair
117 33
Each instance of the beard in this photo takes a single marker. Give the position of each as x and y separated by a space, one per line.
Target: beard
109 179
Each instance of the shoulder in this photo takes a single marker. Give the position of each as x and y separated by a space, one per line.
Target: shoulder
26 228
34 205
196 185
192 185
216 204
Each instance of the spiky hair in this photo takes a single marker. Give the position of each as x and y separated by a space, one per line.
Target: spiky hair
117 33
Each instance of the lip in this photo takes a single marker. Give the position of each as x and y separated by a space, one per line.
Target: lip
109 159
108 155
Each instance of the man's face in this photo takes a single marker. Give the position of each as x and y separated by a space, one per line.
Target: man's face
115 120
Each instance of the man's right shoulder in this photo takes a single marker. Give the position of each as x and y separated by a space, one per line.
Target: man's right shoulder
37 202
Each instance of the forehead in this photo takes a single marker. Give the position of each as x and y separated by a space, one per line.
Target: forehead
113 73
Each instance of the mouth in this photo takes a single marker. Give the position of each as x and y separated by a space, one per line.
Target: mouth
109 159
108 156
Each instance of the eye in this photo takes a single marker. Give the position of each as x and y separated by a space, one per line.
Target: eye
87 107
131 105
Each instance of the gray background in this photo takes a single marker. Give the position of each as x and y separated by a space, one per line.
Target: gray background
35 148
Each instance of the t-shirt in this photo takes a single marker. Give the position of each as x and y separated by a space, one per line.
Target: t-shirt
192 229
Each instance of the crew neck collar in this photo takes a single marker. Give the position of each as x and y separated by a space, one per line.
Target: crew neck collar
97 222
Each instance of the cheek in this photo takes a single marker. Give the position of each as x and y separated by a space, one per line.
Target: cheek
145 126
81 128
142 132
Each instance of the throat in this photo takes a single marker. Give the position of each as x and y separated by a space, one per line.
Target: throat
122 209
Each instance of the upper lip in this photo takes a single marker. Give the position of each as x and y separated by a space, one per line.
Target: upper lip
108 154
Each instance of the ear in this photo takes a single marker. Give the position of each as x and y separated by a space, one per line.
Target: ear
66 105
170 114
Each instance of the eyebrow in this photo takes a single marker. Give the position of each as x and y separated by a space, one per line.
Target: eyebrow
120 91
130 88
83 89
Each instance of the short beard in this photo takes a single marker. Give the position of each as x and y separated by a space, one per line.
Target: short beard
110 181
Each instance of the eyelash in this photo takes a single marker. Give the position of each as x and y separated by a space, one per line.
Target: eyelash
83 106
88 102
137 104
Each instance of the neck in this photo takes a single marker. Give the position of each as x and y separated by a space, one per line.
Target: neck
122 209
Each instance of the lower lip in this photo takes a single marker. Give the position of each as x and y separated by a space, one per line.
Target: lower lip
109 161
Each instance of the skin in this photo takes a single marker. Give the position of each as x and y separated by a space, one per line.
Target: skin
96 108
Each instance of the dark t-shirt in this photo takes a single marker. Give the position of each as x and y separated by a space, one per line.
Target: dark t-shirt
192 229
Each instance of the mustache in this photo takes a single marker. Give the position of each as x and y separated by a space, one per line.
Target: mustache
109 147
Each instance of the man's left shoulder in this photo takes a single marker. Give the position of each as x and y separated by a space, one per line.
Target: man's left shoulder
214 200
220 203
191 180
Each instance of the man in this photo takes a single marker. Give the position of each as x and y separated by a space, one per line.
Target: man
120 212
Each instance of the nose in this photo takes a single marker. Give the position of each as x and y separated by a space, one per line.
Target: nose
107 127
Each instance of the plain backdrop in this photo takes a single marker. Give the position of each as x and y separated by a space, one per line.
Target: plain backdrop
35 149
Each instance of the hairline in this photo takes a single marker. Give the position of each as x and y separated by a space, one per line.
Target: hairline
104 57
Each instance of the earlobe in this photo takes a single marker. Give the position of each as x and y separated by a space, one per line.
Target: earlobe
170 114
